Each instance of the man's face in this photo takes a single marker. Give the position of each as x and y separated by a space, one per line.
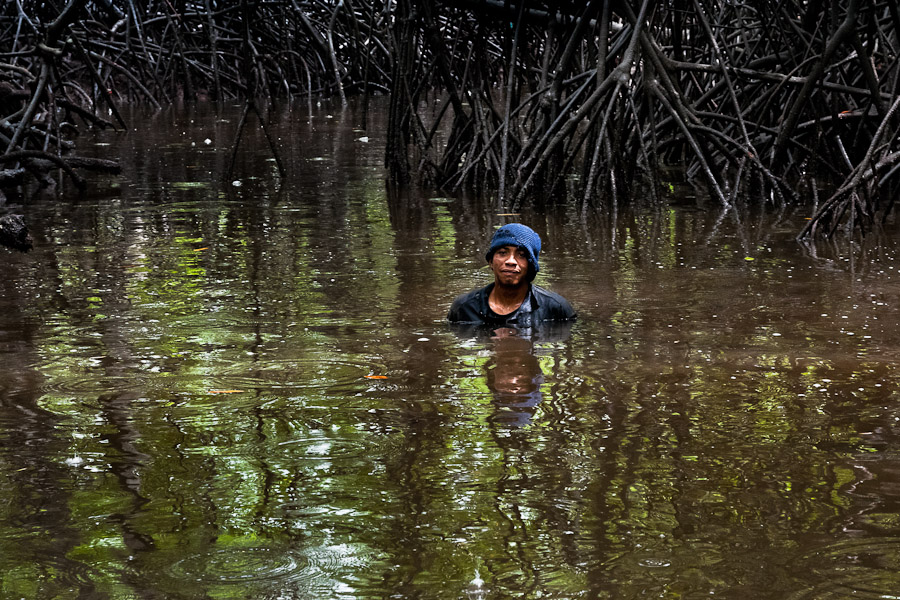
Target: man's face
510 265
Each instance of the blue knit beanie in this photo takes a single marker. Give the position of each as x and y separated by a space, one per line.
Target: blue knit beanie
521 236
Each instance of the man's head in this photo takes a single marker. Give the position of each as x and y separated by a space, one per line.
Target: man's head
520 237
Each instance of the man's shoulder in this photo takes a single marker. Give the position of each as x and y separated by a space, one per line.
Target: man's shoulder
467 307
545 294
556 306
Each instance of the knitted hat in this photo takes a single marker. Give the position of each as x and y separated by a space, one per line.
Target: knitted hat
521 236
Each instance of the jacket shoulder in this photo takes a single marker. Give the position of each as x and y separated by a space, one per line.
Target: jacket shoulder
466 307
556 307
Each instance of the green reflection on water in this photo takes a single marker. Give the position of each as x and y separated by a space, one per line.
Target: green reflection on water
189 410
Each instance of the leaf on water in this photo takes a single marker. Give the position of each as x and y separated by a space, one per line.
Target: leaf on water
749 258
225 392
201 249
376 376
508 214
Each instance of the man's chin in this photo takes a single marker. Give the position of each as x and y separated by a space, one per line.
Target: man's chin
513 282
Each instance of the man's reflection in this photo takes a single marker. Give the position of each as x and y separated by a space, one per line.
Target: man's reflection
513 371
514 377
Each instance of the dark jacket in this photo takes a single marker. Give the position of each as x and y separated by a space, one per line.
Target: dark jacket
540 305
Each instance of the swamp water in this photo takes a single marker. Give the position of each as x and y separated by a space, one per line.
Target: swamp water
244 388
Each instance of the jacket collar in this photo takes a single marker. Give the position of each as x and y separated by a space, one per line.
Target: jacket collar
529 304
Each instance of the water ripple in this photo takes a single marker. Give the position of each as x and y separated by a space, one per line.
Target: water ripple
329 374
858 568
242 565
319 372
321 571
68 577
318 448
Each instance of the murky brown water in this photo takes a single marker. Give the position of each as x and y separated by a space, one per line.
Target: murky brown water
214 390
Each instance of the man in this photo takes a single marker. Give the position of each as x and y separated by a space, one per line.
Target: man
511 300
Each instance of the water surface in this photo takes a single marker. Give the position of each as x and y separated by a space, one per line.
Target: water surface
234 385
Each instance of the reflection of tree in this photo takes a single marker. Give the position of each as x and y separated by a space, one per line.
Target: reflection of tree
35 479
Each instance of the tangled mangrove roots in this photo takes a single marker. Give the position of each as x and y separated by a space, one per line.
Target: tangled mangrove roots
37 119
157 51
530 99
77 64
544 99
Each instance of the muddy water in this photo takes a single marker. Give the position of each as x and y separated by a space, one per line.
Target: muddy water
236 386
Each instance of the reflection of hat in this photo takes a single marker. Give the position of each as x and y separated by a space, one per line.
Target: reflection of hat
521 236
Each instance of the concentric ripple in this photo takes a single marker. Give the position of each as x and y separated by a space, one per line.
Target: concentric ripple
241 565
321 447
58 575
321 372
858 568
258 570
